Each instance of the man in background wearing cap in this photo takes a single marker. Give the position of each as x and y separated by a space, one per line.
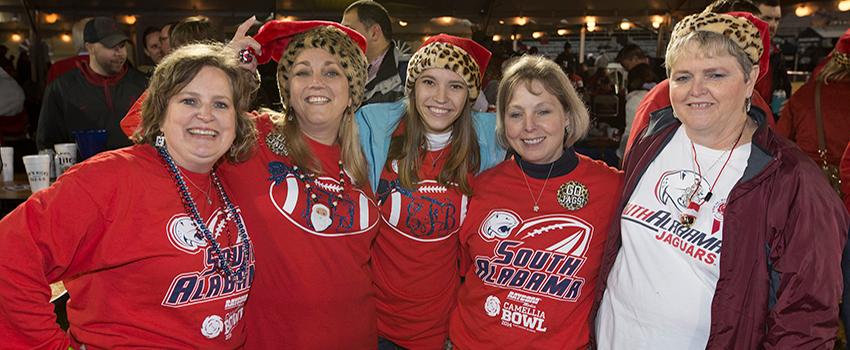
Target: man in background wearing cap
387 64
95 96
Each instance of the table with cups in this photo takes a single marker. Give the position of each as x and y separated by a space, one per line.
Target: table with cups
40 169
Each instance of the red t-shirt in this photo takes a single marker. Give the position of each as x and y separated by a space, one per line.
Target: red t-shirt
115 231
415 256
315 289
531 276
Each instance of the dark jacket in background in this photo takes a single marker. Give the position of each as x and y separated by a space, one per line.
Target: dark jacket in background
388 85
81 99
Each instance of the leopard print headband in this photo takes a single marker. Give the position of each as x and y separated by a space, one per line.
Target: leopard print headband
741 31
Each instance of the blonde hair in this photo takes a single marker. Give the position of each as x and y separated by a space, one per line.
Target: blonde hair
529 69
463 159
177 70
837 68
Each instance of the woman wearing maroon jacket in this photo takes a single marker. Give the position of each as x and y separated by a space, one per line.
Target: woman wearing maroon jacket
534 233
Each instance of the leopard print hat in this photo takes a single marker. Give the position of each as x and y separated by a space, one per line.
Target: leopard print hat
462 56
284 40
742 28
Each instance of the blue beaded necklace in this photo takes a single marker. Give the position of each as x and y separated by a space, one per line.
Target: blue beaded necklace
221 264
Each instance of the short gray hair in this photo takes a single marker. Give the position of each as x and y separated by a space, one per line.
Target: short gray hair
710 44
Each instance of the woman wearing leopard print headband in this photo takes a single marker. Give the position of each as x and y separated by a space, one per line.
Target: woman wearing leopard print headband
729 236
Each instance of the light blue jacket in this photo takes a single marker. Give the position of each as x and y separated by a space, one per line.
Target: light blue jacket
377 122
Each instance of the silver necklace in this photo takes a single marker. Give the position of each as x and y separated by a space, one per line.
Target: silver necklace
206 194
536 207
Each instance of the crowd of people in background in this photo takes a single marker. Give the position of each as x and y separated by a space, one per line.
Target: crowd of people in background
320 185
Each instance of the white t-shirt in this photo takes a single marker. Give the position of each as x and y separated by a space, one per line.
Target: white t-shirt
661 285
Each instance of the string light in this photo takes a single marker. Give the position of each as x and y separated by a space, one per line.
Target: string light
803 11
65 37
563 32
446 20
591 23
521 21
130 19
51 18
402 23
537 35
16 37
497 38
657 21
844 6
625 25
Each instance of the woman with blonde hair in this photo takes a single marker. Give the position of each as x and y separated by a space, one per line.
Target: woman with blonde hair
728 236
536 227
306 190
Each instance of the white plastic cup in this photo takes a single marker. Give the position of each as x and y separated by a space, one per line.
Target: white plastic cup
51 155
38 171
66 156
8 157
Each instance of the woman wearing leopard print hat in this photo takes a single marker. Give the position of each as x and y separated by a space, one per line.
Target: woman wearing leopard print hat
306 192
423 152
729 236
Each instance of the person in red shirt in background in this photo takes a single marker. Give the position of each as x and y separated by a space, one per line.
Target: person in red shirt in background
799 120
70 63
775 87
534 234
659 97
145 238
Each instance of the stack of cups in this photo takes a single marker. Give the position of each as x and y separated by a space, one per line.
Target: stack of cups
38 171
7 154
66 156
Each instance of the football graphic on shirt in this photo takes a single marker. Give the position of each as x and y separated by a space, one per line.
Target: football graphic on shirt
353 214
183 234
430 213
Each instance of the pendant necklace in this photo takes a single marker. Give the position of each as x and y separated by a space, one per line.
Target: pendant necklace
689 216
209 187
536 207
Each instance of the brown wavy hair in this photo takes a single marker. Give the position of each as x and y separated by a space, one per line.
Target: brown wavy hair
176 71
406 147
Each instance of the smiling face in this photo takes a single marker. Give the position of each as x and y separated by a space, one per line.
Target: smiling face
535 123
440 98
200 122
708 93
319 94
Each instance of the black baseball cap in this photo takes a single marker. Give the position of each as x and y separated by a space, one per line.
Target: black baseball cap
104 30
